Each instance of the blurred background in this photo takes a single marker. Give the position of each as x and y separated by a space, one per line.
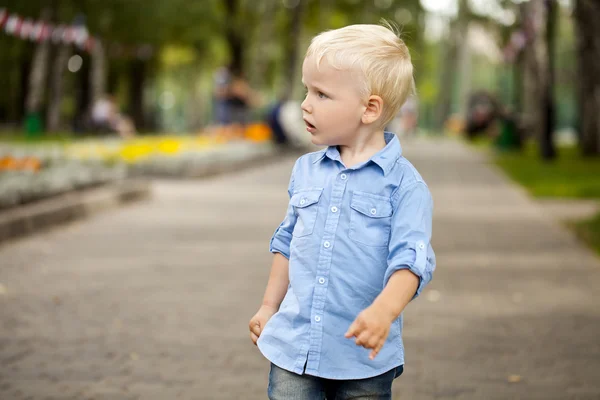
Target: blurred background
148 87
106 101
159 63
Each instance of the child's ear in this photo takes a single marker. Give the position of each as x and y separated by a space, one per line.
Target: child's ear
373 109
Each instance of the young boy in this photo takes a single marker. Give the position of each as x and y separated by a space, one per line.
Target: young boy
354 247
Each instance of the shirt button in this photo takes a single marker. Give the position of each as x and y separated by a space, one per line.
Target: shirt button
318 319
343 176
321 280
334 209
373 211
421 245
302 201
327 245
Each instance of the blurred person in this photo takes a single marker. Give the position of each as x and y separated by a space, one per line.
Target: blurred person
240 99
354 247
105 117
103 114
221 80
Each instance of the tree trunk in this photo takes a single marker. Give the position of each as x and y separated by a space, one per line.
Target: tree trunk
293 46
24 87
547 148
542 13
538 85
83 88
136 92
587 15
259 72
39 71
458 30
234 37
57 88
98 72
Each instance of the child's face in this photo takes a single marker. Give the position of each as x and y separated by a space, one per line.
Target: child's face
333 107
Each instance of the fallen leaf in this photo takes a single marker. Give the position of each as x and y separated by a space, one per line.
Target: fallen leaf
2 289
514 378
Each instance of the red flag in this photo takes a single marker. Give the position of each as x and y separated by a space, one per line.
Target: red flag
26 28
68 35
36 32
13 25
3 16
57 34
46 32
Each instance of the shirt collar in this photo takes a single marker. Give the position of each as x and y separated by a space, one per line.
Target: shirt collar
384 158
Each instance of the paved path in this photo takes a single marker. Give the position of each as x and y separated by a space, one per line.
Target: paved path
152 301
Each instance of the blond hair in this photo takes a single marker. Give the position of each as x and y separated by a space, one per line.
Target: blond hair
378 53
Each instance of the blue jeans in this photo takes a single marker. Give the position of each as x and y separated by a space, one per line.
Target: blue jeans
285 385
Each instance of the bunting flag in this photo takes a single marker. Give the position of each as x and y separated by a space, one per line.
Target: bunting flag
77 35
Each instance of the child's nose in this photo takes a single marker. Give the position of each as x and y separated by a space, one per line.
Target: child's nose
306 106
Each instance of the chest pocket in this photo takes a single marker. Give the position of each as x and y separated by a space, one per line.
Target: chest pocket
370 219
305 204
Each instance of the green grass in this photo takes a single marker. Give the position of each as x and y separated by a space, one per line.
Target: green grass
589 231
22 138
568 176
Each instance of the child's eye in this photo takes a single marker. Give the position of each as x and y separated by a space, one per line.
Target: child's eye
322 95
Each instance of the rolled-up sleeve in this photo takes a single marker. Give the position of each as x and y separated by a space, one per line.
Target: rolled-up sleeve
281 239
410 237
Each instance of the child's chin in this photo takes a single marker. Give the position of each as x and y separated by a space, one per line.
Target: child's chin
317 141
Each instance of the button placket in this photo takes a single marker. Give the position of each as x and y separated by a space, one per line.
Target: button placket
323 267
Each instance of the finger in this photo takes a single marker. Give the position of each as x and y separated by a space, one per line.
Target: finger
353 330
255 328
373 354
363 338
253 337
373 342
376 351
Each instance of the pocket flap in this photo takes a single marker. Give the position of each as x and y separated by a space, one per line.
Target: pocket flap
371 205
306 198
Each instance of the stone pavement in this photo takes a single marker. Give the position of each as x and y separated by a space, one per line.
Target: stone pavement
152 301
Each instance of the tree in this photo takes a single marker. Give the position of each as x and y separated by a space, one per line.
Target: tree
293 46
539 19
37 78
587 15
458 30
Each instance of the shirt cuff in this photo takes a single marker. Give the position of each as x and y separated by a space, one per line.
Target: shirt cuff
416 263
280 243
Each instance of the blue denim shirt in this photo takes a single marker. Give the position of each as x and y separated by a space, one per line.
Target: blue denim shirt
346 231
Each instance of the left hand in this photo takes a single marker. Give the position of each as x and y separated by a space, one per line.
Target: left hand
371 328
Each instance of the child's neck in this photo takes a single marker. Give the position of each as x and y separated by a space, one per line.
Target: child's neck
361 149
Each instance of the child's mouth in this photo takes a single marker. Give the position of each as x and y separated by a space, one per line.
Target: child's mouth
310 127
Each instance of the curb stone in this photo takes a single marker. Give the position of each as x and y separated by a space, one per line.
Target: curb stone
42 215
39 216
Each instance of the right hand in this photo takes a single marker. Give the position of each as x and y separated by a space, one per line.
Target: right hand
259 320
